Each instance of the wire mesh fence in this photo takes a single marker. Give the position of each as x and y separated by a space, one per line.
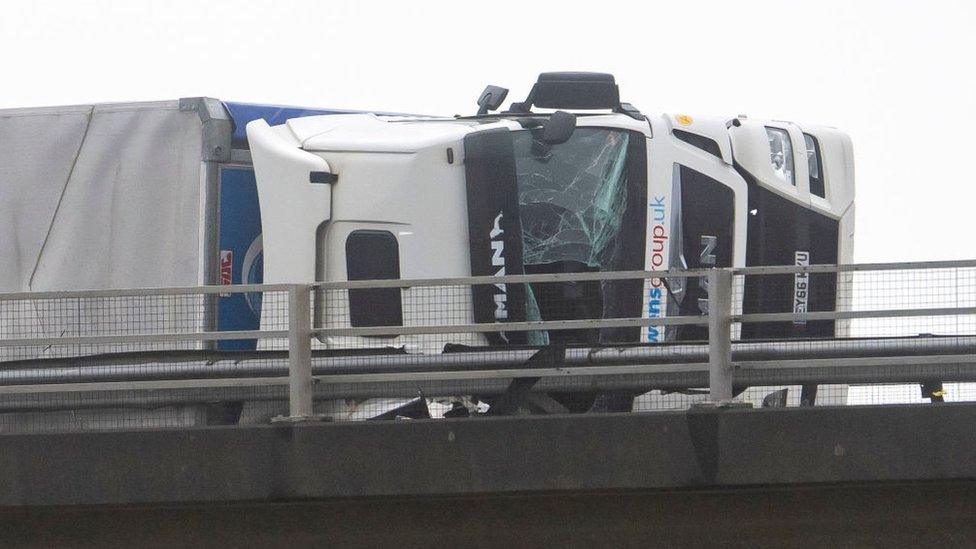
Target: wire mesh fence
526 344
111 359
893 309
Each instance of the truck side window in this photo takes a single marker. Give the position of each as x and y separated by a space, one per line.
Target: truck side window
373 255
815 166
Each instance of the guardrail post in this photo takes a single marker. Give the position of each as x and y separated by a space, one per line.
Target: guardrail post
299 352
720 335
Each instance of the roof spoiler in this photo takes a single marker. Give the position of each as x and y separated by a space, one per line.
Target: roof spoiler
576 90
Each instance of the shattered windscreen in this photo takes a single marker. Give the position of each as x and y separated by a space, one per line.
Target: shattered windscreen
572 196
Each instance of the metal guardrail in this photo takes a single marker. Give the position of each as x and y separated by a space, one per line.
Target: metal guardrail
199 373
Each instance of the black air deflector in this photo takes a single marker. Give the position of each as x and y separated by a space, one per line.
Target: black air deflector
574 90
704 143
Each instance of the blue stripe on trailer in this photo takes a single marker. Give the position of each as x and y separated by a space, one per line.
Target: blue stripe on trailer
242 113
241 257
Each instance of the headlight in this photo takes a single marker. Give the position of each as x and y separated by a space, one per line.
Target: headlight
781 154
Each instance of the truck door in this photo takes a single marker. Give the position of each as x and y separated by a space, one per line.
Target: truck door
696 217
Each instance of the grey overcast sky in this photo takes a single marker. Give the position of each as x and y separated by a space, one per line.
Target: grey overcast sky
898 76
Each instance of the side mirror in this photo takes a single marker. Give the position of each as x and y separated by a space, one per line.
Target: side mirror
491 99
559 128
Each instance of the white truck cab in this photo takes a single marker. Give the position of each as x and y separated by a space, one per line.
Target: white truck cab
360 196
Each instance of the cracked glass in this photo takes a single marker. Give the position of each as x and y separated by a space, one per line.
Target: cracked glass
572 196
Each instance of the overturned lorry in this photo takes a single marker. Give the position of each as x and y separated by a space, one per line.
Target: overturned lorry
523 191
199 191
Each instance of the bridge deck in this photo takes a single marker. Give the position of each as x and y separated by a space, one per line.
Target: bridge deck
784 471
861 475
697 448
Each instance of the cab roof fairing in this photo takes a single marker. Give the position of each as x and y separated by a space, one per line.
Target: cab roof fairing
367 132
243 113
371 133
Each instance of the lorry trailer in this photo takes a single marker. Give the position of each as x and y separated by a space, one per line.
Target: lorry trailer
131 195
